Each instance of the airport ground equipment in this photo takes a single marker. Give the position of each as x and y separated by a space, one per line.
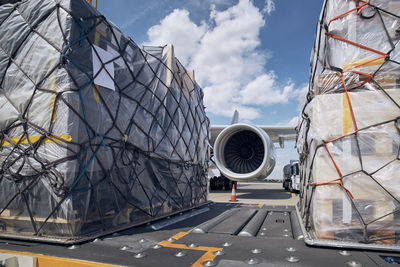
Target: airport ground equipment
287 173
291 177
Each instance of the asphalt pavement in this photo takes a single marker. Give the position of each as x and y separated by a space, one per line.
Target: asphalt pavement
257 193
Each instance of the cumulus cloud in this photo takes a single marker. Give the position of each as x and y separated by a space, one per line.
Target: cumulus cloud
301 96
177 28
269 7
225 53
294 121
264 90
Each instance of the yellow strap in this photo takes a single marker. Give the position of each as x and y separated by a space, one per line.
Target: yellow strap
96 93
346 115
33 139
361 62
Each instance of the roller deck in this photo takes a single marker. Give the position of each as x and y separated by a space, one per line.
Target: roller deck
216 234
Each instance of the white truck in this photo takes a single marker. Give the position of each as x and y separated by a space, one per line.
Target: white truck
291 177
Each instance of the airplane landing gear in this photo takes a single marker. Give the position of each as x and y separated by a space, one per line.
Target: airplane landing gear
221 183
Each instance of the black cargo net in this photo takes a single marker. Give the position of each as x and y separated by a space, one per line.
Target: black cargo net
349 134
95 133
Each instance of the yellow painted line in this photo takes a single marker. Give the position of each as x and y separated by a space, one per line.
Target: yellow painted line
169 244
33 139
208 256
180 235
50 261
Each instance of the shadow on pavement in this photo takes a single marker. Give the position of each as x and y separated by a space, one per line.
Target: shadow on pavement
263 194
257 193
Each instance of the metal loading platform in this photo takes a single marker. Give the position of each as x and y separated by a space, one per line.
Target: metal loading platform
217 234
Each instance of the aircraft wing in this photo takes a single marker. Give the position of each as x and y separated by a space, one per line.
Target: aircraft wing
278 134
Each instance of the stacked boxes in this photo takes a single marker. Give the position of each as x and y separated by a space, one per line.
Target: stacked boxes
96 134
349 136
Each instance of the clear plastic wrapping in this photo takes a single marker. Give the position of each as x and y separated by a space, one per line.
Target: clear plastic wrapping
349 134
96 134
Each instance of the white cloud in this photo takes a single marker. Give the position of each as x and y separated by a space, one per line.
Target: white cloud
225 2
178 29
294 121
301 96
269 7
228 50
265 91
225 54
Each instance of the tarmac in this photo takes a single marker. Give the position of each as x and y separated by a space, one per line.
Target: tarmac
257 193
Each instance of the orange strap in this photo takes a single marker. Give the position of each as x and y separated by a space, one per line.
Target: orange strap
340 137
361 4
356 44
339 182
358 8
333 161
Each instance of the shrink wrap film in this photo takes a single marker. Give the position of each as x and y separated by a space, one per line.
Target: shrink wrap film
349 132
96 134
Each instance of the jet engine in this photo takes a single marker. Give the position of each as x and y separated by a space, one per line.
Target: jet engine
244 152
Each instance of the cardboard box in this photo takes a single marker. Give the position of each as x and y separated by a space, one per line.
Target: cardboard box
329 83
339 219
331 117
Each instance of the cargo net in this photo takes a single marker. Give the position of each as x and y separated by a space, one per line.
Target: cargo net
96 134
349 132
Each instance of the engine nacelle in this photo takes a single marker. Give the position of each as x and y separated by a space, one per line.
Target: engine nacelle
243 152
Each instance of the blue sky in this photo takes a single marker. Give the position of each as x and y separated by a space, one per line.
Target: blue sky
247 55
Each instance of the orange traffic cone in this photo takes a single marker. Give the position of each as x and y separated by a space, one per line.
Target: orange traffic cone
233 196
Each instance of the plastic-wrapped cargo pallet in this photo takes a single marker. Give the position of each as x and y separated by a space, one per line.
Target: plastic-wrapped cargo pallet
349 132
96 134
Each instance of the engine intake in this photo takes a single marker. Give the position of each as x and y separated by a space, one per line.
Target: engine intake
244 152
